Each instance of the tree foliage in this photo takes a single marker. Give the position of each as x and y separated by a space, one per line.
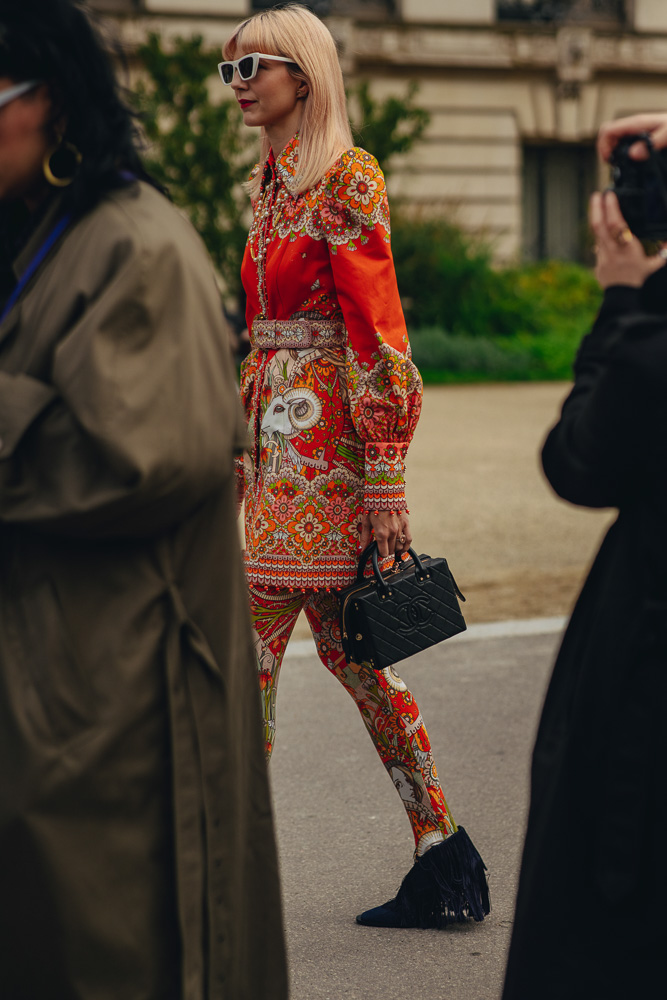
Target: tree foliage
390 126
199 149
202 153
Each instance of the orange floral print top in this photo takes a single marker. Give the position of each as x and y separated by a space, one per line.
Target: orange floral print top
330 423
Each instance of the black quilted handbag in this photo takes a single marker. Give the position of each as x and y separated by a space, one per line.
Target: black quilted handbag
394 614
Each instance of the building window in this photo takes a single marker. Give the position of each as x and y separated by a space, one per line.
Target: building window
557 183
587 11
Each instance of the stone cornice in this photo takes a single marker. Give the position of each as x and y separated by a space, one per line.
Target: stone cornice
577 52
215 31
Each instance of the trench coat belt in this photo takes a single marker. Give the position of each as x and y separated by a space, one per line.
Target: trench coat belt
271 334
193 684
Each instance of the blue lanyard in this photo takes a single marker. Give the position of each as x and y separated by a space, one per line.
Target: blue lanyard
48 243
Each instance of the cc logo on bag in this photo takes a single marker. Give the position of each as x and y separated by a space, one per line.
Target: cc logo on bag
414 615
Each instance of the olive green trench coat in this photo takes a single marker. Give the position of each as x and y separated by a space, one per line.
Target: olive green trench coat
137 855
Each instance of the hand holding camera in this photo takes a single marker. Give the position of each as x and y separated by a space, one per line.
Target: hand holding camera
635 208
655 125
621 259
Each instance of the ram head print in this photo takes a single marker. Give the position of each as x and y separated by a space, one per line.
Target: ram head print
297 410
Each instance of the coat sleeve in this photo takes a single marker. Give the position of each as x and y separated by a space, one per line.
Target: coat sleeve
595 456
138 420
385 389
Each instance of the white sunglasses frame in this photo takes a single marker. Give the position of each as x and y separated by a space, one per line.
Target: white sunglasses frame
255 56
6 96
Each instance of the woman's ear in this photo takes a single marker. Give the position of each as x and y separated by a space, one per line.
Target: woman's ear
303 90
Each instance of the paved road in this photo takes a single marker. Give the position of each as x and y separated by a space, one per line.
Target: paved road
345 842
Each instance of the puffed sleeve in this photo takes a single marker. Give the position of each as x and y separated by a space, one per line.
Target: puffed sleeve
139 419
385 388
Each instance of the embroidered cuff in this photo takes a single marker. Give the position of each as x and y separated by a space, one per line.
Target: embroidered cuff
385 476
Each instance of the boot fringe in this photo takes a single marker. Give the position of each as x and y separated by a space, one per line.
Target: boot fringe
446 885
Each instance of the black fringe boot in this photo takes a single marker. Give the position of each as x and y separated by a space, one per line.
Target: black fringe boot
446 885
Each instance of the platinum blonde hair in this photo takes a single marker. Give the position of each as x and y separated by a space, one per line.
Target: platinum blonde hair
294 32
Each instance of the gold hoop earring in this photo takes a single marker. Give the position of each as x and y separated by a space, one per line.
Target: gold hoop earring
65 150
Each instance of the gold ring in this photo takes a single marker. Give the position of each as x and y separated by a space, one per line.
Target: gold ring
625 236
401 538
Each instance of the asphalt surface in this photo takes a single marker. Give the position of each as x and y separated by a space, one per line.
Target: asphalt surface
345 842
477 495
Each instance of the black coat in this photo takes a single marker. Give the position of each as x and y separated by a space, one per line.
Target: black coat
591 917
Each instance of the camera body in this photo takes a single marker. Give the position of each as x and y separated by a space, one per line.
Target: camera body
641 188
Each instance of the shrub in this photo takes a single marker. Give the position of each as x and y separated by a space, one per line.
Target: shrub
470 321
446 280
564 290
441 356
199 149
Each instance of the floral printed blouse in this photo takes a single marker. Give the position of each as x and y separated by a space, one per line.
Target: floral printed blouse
330 424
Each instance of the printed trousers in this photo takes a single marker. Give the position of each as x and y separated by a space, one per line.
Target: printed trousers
389 711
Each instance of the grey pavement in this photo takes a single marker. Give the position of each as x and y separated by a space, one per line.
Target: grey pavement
345 842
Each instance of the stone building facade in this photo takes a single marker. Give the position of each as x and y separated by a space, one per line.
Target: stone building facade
516 90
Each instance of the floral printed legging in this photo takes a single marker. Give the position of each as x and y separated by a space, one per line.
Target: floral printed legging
389 711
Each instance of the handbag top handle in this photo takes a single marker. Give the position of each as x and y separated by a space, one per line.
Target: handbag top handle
372 552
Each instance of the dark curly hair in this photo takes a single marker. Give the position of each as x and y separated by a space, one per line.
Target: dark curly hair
60 42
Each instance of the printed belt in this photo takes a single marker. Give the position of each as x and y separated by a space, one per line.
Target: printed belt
270 334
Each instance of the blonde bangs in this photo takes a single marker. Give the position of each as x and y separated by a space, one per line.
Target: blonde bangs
296 33
251 36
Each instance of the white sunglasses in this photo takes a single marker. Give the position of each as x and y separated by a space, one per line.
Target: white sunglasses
247 66
13 92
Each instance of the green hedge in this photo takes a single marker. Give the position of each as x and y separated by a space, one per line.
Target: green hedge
471 322
446 357
447 280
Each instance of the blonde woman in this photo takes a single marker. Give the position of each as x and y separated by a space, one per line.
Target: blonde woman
332 399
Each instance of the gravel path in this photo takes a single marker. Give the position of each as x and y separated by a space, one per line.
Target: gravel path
477 495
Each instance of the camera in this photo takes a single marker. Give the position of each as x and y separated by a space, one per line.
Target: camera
641 188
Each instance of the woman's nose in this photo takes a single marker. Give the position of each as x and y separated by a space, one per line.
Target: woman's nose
237 82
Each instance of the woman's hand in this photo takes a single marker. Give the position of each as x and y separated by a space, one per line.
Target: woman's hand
611 132
391 532
620 256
